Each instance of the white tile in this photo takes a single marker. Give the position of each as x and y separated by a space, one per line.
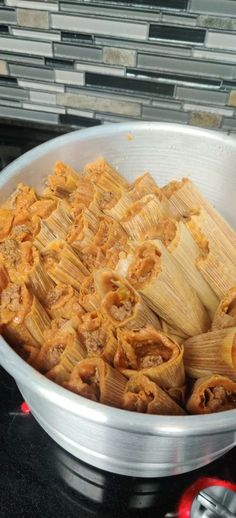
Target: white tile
80 113
7 102
43 97
68 77
228 57
23 46
100 26
209 109
39 35
45 6
34 85
220 40
100 69
41 108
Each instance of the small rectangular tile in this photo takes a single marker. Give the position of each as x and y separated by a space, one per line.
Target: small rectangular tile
201 95
23 59
31 72
169 105
205 120
42 97
6 80
102 103
126 85
179 19
227 112
196 68
8 16
22 46
211 55
41 108
32 4
150 47
12 92
47 87
33 18
121 11
221 40
73 78
168 78
159 114
7 102
100 69
37 35
217 22
65 64
22 113
4 29
100 26
76 37
77 52
173 33
167 4
3 68
229 123
80 113
232 98
119 56
223 7
72 120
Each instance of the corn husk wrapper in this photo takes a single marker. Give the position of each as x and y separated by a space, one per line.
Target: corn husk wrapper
157 276
142 217
212 393
38 279
83 229
85 197
104 176
6 221
142 185
23 317
59 346
121 304
63 301
217 270
171 332
143 395
95 379
22 198
63 264
56 226
89 297
178 394
211 353
109 234
4 278
184 249
153 354
97 336
63 182
225 315
184 197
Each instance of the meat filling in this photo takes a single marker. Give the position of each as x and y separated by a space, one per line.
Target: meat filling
217 399
137 402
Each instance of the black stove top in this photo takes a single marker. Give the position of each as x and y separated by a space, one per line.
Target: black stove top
38 479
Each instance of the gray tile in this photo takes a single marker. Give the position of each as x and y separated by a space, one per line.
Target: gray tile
104 103
189 21
24 59
42 6
110 119
7 16
7 102
200 95
73 78
170 105
129 14
77 52
186 66
223 7
115 56
80 113
100 69
21 113
33 18
229 123
37 35
3 68
124 96
211 55
227 112
162 114
22 46
100 26
43 97
41 108
31 72
157 48
220 40
205 120
35 85
14 92
217 22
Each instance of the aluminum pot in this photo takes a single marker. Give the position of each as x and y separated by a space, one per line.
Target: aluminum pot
117 440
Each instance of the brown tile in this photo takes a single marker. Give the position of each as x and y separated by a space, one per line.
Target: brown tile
232 98
99 104
116 56
3 68
33 18
205 119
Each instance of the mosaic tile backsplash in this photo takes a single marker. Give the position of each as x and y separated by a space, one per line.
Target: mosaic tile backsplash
88 62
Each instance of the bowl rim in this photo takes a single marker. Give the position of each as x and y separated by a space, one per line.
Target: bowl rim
99 413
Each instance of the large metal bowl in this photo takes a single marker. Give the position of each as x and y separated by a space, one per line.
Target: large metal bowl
117 440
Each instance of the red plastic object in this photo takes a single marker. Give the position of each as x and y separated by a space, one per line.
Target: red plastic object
24 408
186 502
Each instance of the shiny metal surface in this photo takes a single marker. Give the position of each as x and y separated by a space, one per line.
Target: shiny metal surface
116 440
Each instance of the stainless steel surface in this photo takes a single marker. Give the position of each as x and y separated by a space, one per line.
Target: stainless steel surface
111 439
213 505
214 502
